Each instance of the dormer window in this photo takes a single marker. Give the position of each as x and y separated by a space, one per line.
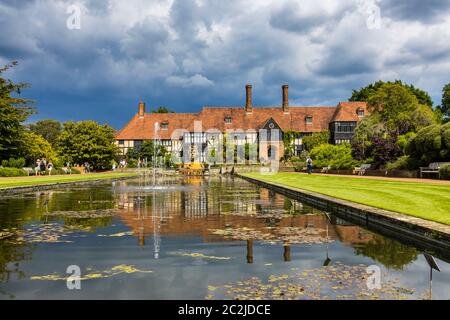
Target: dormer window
165 126
309 119
360 112
228 120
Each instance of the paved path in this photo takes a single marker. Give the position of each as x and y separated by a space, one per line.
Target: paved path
445 182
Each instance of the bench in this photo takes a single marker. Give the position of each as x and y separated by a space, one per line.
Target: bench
362 169
325 169
29 171
433 168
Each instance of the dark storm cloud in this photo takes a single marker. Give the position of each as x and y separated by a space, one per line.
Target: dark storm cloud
428 11
188 53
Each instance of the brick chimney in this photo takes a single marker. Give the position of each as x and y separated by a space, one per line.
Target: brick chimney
248 98
141 109
285 98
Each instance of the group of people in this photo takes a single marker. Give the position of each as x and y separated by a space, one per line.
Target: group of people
42 166
123 164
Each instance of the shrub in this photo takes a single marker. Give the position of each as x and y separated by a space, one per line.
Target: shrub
403 163
445 172
336 157
315 140
432 144
299 162
4 163
16 163
12 172
62 172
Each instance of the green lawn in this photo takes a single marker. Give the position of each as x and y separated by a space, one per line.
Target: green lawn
423 200
33 180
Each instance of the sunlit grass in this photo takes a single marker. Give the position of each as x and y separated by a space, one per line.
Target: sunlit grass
423 200
39 180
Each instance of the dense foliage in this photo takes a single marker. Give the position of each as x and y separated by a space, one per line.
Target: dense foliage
13 112
316 139
431 144
445 172
337 157
48 129
88 141
35 147
12 172
365 93
445 105
395 117
13 163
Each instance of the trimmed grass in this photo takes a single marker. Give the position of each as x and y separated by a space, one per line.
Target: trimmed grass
33 180
423 200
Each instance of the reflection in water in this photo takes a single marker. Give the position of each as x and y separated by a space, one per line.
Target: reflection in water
199 219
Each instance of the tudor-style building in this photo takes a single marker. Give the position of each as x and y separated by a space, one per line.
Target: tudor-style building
194 133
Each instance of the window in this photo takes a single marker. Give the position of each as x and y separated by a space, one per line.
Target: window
345 127
164 126
309 120
121 142
360 113
138 145
228 120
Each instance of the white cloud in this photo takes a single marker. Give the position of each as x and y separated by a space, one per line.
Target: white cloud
186 82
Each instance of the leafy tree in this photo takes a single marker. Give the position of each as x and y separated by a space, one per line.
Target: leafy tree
395 114
34 146
316 139
148 150
133 154
365 93
337 157
13 112
432 144
88 141
399 109
49 129
162 110
385 149
445 105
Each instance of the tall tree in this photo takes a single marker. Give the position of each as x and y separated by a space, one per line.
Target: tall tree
88 141
364 93
162 110
445 105
34 146
48 129
399 109
13 112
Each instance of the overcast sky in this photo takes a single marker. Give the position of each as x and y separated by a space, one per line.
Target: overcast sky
185 54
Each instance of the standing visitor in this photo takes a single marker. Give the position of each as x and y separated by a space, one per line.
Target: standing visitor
87 168
37 166
50 168
309 165
43 166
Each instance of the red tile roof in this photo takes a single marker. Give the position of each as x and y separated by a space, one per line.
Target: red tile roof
142 128
348 111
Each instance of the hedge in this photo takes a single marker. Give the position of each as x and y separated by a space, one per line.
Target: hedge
445 172
12 172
